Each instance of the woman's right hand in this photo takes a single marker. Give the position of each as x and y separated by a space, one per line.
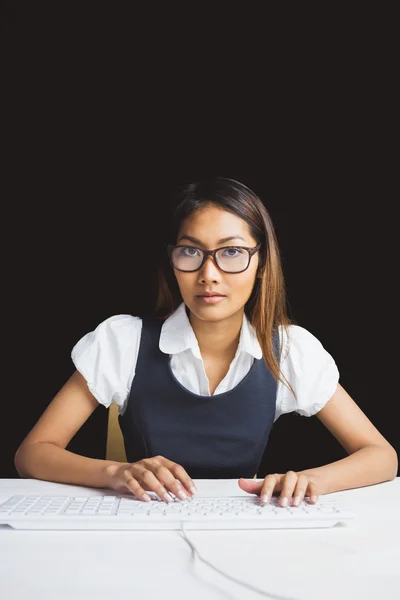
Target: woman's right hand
157 474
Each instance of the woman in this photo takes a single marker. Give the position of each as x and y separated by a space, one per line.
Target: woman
200 385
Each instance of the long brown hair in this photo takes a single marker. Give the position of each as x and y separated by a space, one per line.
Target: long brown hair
266 308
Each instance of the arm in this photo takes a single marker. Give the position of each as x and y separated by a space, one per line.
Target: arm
372 459
42 453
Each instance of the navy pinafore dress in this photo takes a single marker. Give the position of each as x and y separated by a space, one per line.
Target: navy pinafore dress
212 437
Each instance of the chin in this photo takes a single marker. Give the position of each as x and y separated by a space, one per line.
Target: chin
212 312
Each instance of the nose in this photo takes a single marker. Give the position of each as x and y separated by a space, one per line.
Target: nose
209 271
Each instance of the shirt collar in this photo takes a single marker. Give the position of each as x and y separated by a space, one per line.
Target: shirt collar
177 335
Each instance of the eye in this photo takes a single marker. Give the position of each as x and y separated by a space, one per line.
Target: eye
232 252
189 251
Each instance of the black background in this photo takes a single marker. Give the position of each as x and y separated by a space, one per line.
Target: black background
107 109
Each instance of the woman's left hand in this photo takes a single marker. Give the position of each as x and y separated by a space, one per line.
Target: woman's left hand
291 485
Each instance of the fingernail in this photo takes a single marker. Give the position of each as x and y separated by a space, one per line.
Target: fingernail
296 501
265 498
314 498
193 489
284 502
146 497
182 495
167 497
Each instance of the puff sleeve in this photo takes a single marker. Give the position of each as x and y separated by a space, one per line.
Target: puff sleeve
107 357
311 371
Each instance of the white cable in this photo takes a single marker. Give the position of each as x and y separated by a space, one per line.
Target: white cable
248 585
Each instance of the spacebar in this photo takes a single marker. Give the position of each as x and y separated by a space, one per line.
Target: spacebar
187 517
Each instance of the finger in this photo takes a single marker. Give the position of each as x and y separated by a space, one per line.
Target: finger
288 485
134 486
170 482
312 492
251 486
181 475
300 490
154 474
152 481
268 486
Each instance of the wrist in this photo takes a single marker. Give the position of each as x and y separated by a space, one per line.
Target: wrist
317 478
110 470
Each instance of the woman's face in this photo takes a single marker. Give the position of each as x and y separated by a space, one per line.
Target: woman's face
209 228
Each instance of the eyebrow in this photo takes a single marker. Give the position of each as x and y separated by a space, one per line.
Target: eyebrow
221 241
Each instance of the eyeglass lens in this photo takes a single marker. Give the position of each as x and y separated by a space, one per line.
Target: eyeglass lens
229 259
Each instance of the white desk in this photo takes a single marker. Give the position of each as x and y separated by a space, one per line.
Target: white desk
357 561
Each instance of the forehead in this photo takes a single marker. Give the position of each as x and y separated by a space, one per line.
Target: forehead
210 224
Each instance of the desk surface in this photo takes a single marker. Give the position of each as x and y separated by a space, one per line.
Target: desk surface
356 561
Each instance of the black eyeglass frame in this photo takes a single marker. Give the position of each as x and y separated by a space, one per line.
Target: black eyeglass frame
206 253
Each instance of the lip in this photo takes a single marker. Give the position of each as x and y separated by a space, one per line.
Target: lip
214 299
210 294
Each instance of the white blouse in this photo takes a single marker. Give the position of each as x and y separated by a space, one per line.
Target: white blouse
107 357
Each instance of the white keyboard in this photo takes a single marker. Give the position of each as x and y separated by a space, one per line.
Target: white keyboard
122 512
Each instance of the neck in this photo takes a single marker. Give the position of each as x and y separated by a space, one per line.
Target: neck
218 339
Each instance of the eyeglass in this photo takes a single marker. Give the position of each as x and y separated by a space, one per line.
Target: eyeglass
230 259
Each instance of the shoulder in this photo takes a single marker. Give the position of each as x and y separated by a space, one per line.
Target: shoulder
298 340
119 323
